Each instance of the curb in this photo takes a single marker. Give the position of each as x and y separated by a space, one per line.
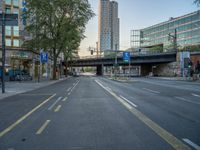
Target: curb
176 79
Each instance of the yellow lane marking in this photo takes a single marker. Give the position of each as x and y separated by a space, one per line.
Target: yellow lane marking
164 134
57 108
41 129
64 99
5 131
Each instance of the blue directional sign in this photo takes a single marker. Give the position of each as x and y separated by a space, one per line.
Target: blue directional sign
44 57
24 10
24 3
126 56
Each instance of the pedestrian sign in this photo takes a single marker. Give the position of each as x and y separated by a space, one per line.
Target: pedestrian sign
126 56
43 57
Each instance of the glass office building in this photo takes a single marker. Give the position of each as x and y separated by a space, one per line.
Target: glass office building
186 30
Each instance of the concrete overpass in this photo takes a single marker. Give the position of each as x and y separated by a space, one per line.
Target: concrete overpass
145 60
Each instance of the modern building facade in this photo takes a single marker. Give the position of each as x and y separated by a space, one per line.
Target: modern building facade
181 31
108 37
17 58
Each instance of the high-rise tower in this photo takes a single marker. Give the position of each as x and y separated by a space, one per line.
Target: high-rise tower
108 38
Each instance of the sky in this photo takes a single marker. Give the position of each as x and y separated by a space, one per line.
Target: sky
136 14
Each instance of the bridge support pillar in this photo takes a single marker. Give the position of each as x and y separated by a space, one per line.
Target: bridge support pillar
100 70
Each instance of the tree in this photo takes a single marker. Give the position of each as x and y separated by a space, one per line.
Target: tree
158 48
197 2
57 25
191 48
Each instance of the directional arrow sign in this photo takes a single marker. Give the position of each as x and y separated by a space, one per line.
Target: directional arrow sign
126 56
44 57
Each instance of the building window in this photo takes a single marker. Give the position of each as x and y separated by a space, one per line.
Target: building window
16 43
8 2
8 30
15 12
16 3
8 11
16 31
8 42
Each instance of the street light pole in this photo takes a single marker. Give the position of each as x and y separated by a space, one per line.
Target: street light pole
3 53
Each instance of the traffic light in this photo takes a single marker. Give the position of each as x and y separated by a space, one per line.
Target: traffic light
92 52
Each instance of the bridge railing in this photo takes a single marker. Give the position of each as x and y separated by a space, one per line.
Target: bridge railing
135 53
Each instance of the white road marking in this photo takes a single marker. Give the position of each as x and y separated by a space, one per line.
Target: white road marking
197 147
64 99
73 87
8 129
151 90
54 103
68 89
41 129
134 105
164 134
109 88
126 104
195 95
189 101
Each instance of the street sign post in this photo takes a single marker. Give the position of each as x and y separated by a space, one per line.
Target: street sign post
44 57
126 56
6 20
127 59
24 10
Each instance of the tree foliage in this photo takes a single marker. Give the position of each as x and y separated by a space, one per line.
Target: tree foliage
191 48
57 26
197 2
157 48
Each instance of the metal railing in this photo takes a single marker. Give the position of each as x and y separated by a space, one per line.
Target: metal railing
135 53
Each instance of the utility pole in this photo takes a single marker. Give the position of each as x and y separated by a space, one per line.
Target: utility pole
175 40
3 53
9 20
115 61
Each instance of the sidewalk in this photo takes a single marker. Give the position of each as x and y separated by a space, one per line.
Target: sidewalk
176 79
16 87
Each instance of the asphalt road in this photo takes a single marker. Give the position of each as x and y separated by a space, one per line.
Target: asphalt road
95 113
